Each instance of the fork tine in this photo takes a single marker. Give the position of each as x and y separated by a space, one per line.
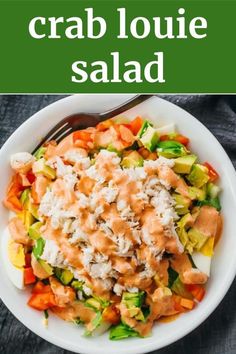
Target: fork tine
54 132
62 134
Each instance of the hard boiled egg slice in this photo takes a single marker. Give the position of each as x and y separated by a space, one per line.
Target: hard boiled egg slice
202 262
202 259
13 253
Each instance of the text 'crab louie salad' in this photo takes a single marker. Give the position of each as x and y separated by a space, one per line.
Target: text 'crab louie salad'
114 227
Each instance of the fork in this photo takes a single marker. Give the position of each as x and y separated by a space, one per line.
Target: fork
83 120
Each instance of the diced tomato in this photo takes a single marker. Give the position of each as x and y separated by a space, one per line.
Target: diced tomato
14 190
126 134
152 156
196 290
177 305
29 277
187 303
213 175
135 125
41 288
116 128
101 127
27 260
115 298
144 152
81 144
42 301
13 203
82 135
111 315
181 139
15 187
164 137
31 177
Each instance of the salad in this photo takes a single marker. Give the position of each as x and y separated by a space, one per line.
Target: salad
114 227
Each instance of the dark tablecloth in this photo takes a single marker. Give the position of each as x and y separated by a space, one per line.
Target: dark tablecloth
217 335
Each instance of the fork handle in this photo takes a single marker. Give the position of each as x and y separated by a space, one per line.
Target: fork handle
124 106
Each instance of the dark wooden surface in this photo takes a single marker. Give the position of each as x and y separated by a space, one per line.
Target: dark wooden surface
217 335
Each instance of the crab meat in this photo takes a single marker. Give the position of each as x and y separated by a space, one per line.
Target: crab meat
22 162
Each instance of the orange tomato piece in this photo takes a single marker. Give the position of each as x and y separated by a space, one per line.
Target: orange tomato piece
29 277
182 139
111 315
41 288
135 125
82 135
28 260
196 290
101 127
213 175
42 302
187 303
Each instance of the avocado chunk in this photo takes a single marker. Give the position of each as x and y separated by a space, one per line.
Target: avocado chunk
34 230
77 285
26 201
198 175
196 238
179 288
25 198
197 193
137 313
150 138
40 152
95 304
133 299
112 149
66 276
184 164
40 167
182 204
134 159
48 269
171 149
133 302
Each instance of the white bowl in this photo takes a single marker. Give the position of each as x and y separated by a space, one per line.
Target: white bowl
161 112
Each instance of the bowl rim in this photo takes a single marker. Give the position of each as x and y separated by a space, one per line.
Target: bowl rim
142 347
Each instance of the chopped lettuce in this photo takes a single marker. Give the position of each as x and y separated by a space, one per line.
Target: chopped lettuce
214 202
122 331
143 128
94 324
171 149
38 248
212 190
173 275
